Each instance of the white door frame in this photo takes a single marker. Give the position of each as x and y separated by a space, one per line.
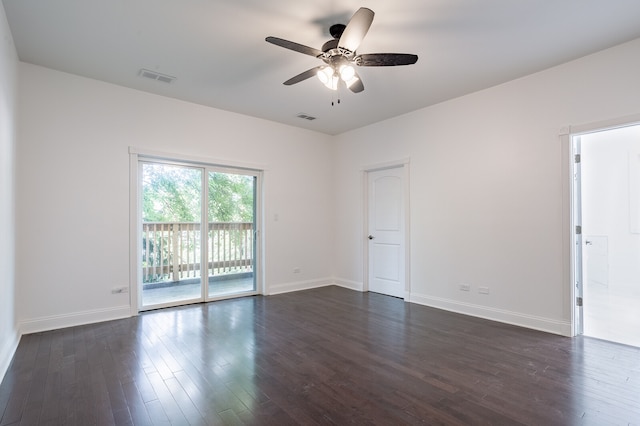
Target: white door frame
404 164
568 209
135 221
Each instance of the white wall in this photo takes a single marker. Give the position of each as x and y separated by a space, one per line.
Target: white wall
487 199
8 84
607 174
73 190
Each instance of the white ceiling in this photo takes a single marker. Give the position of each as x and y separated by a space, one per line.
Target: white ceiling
216 48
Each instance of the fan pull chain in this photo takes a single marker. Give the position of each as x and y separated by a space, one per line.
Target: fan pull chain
332 97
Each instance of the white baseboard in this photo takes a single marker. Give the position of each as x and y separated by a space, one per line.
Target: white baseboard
351 285
548 325
7 350
299 285
54 322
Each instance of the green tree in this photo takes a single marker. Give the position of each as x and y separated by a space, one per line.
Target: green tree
172 194
231 197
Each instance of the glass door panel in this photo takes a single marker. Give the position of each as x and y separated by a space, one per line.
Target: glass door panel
171 234
231 234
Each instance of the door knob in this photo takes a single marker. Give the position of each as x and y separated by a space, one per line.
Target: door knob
371 237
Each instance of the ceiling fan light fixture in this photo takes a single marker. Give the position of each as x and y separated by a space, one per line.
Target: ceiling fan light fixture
328 77
347 73
351 81
324 74
339 54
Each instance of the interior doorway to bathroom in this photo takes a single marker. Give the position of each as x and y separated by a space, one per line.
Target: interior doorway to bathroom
607 215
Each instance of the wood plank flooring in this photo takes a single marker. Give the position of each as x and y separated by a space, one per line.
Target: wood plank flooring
324 356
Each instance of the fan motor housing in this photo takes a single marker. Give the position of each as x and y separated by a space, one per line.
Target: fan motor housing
333 54
336 30
330 45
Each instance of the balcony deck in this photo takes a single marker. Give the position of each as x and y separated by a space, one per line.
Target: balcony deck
172 255
188 289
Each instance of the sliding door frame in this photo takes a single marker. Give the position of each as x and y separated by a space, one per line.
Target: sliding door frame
136 156
256 202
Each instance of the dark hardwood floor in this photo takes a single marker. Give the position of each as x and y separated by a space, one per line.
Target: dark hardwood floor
324 356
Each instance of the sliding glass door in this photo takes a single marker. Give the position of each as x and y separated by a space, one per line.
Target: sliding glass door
231 235
198 233
171 237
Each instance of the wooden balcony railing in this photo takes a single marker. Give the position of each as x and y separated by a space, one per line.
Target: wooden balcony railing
172 251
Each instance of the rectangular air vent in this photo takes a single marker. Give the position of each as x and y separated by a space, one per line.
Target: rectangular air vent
155 76
305 116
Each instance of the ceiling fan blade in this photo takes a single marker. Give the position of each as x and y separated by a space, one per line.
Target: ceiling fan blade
356 29
385 59
303 76
356 86
294 46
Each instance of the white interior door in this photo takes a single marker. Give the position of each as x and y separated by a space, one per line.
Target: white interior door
386 232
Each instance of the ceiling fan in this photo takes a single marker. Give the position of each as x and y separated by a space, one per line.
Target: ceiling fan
339 54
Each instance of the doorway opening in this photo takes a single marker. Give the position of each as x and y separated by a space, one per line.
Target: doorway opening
197 233
606 212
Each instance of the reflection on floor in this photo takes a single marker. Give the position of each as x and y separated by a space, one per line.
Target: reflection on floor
181 292
612 313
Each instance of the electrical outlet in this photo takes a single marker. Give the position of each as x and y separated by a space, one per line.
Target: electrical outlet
119 290
483 290
296 270
465 287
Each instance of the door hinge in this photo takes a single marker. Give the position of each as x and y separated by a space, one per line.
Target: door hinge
577 158
578 230
579 301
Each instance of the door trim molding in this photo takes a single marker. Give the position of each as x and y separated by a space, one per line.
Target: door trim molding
134 225
364 176
566 135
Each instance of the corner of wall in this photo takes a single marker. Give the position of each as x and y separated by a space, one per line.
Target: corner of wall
7 350
298 286
351 285
9 336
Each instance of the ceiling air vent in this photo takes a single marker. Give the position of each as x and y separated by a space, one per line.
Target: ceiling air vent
305 116
156 76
